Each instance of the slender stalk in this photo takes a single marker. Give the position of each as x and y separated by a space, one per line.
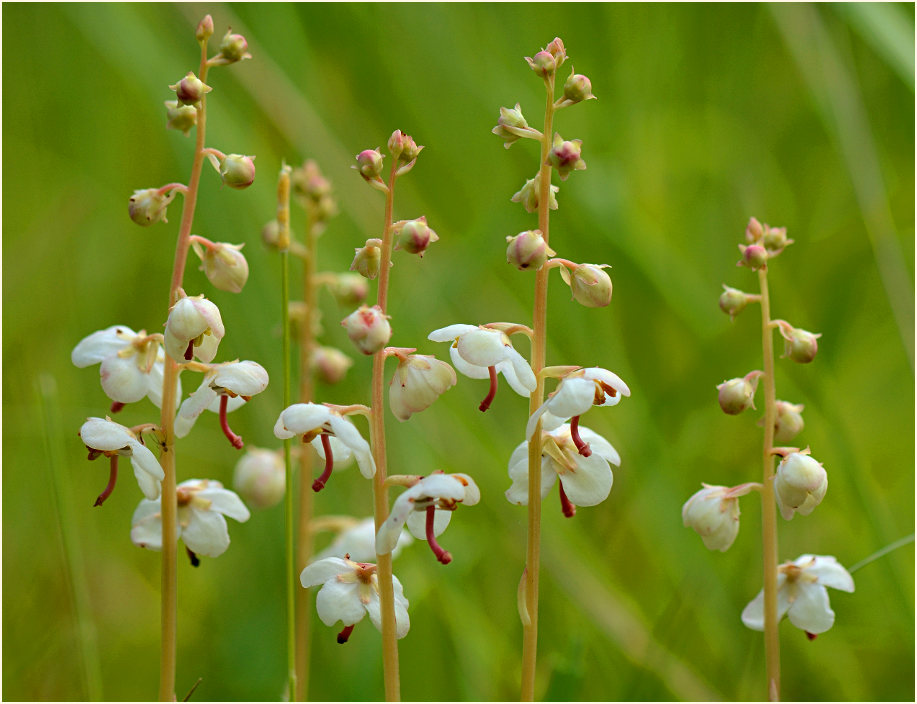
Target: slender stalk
167 420
380 490
768 501
306 394
539 340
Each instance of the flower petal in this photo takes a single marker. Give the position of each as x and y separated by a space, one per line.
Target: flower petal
590 483
106 435
484 348
600 446
472 371
321 571
612 380
93 348
390 530
509 373
206 533
450 332
342 454
340 601
523 371
811 610
573 397
226 502
417 523
244 378
829 572
122 380
301 418
350 436
518 493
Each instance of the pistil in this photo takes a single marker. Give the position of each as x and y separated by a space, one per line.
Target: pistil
344 635
566 505
112 478
236 440
441 555
195 560
319 483
581 445
116 406
485 404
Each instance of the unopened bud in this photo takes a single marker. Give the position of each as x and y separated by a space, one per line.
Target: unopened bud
775 240
736 395
349 289
733 301
402 147
149 205
368 328
368 259
204 29
260 477
309 183
418 382
369 164
180 117
330 364
528 250
753 231
800 484
788 423
578 88
714 514
237 171
512 119
543 63
224 265
190 89
566 156
800 345
754 256
557 50
529 196
589 285
414 236
233 48
270 234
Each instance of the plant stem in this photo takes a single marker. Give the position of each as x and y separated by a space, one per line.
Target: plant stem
768 501
306 394
380 490
167 420
539 340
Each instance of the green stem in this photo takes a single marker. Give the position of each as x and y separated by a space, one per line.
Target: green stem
768 500
539 340
169 590
380 490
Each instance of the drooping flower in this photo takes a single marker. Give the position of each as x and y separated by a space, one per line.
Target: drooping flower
359 542
481 352
260 477
802 594
225 387
584 480
800 484
131 363
368 329
312 422
102 436
577 392
713 512
418 381
350 590
194 328
427 508
202 505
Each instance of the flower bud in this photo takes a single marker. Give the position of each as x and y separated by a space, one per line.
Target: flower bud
417 383
308 183
557 50
260 477
368 259
180 117
330 364
738 394
543 63
754 256
402 147
237 171
566 156
194 326
369 164
800 345
528 250
775 240
270 234
590 285
368 328
733 301
753 231
799 484
349 289
414 236
190 89
224 265
509 118
233 48
149 205
204 29
714 514
528 195
578 88
788 423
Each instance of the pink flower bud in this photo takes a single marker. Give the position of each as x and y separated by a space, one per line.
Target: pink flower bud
233 48
788 423
733 301
224 265
566 156
149 205
368 259
754 256
589 285
557 50
180 117
753 231
349 289
369 164
330 364
270 234
528 195
736 395
204 29
800 345
368 328
714 514
775 240
510 120
528 250
414 236
578 88
190 89
260 477
543 63
238 171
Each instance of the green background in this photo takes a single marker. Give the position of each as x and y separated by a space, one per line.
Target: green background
707 114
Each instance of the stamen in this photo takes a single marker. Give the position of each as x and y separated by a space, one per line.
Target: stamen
236 440
441 555
566 505
581 446
189 353
344 635
811 636
195 560
485 404
116 406
319 483
112 478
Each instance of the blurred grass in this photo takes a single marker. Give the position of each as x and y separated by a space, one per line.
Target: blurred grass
802 115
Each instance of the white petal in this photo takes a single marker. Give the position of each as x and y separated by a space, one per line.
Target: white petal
811 610
600 446
146 525
142 457
321 571
590 483
402 620
342 454
301 418
572 398
226 502
244 378
523 371
207 350
472 492
417 523
106 435
206 533
122 381
483 348
345 431
506 369
390 530
753 613
610 378
444 486
195 404
472 371
93 348
232 403
830 572
339 601
155 380
533 421
450 332
551 422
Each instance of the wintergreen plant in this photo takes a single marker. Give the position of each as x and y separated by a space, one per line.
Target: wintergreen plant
134 366
795 589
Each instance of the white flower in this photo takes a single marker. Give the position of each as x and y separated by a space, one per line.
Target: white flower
418 507
801 594
103 436
350 591
713 512
417 383
359 542
260 477
480 353
577 392
131 363
799 484
317 422
194 328
584 480
225 387
202 505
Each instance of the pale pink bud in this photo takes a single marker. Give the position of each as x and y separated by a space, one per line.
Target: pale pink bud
414 236
529 195
149 205
578 88
237 171
330 364
800 484
736 395
260 477
224 265
368 259
233 48
180 117
800 345
788 423
528 250
754 256
753 231
369 164
417 383
543 63
190 89
204 29
714 514
566 156
349 289
589 285
368 328
733 301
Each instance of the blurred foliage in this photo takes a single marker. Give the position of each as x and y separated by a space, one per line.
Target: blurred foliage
707 114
